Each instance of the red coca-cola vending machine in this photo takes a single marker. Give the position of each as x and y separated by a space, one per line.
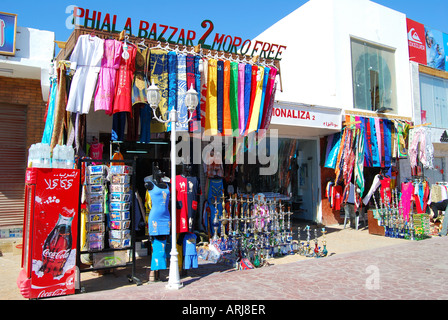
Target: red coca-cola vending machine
49 233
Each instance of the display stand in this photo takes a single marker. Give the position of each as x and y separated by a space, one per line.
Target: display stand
132 258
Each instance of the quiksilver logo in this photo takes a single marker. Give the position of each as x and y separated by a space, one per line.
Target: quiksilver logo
413 36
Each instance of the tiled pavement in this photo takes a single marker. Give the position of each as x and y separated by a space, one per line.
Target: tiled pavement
409 270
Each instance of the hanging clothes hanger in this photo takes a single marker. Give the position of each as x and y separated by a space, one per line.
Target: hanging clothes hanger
142 44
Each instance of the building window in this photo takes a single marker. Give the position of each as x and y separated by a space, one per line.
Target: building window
433 100
373 70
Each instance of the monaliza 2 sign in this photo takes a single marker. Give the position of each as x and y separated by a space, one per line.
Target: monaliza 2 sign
97 20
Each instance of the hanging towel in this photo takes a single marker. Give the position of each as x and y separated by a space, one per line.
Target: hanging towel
211 120
241 96
220 95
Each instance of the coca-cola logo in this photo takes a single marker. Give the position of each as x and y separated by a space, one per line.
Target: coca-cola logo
63 254
55 293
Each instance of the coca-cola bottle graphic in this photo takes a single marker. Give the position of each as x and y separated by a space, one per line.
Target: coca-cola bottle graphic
58 244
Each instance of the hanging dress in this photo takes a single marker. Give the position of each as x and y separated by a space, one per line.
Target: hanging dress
105 90
125 75
49 123
87 54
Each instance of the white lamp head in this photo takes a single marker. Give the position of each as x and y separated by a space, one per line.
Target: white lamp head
153 95
191 99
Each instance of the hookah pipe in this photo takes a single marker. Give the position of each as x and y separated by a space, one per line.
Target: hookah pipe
316 247
308 247
324 243
215 221
223 218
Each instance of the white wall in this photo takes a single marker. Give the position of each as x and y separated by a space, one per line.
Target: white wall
316 65
34 52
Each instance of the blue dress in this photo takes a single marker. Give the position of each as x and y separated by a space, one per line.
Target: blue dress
157 202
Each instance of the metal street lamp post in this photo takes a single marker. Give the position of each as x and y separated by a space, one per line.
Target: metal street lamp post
191 101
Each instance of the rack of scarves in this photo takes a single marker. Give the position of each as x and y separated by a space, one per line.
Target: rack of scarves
236 95
364 142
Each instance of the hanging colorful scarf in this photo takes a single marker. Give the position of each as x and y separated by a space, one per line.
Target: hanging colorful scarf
211 120
270 93
269 108
49 123
220 95
247 94
254 116
233 101
159 75
226 118
204 82
368 143
359 165
334 150
241 96
340 159
387 124
182 125
191 82
196 124
172 83
374 144
263 96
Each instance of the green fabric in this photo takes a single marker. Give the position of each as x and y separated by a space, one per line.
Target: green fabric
234 97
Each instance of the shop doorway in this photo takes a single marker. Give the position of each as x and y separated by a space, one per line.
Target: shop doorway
307 182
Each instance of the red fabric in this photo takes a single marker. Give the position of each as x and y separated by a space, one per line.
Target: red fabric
182 201
125 76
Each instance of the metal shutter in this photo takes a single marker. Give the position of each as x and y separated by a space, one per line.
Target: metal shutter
13 155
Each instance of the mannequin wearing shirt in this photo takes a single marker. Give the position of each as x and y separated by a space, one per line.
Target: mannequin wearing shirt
187 193
157 203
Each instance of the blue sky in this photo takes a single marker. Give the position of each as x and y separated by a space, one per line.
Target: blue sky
245 19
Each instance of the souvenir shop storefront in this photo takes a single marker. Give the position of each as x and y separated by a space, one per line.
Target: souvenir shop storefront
235 177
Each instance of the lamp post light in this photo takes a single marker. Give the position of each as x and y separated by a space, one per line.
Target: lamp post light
191 101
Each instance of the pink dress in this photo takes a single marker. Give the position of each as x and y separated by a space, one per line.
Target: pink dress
105 90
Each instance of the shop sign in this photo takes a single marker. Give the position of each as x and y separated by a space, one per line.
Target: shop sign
8 27
100 21
416 41
307 116
427 46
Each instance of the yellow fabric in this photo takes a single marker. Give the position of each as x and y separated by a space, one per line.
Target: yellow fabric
159 75
253 126
211 120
